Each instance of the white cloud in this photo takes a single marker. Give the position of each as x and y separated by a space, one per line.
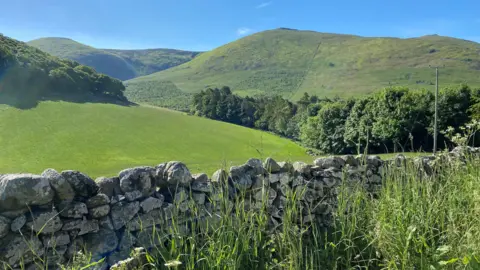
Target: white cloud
264 4
243 31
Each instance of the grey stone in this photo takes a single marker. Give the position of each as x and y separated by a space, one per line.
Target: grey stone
127 240
146 221
106 223
101 243
14 214
180 195
18 223
76 246
150 203
116 259
220 176
134 195
198 197
72 209
83 185
17 191
200 177
400 160
271 165
140 179
55 257
242 176
201 186
260 182
83 226
257 165
262 194
122 213
350 160
285 166
57 239
45 222
374 161
330 162
160 180
150 238
99 211
302 167
4 226
63 189
14 248
109 186
98 200
176 173
283 178
137 261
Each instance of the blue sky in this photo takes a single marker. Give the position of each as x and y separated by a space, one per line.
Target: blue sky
206 24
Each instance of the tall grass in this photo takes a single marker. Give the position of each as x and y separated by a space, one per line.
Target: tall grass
415 222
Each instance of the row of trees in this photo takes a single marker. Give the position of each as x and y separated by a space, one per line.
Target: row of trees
391 120
28 75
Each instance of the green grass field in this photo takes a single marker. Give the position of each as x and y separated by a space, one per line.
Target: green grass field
101 139
289 63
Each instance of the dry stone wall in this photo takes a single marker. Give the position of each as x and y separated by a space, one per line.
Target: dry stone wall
54 215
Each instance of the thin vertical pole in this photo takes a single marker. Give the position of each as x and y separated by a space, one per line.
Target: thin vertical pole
435 129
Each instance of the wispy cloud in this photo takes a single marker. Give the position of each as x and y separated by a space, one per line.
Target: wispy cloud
264 4
242 31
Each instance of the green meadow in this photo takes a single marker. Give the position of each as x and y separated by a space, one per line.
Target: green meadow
103 139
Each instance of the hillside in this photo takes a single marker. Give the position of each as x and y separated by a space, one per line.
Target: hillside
120 64
102 139
291 62
28 75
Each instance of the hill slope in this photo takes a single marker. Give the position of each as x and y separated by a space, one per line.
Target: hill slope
102 139
121 64
28 75
291 62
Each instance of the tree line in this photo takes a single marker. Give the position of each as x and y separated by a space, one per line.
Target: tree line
391 120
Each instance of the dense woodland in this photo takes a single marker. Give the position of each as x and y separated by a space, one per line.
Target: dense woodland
391 120
29 75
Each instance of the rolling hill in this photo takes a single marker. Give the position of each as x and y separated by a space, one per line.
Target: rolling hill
290 62
102 139
120 64
28 75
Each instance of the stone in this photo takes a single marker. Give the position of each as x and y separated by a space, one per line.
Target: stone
329 182
137 261
200 177
106 223
400 160
160 180
97 200
375 161
83 226
285 166
242 176
151 203
350 160
101 243
18 223
83 185
271 166
140 179
17 191
117 198
15 248
72 209
283 178
99 211
109 186
45 222
198 197
122 213
134 195
259 182
257 166
4 226
55 257
150 238
220 176
127 240
201 186
76 246
176 173
115 258
330 162
57 239
14 214
180 195
375 178
302 168
261 194
63 189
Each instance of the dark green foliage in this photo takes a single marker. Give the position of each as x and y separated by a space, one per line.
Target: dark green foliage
28 75
392 120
